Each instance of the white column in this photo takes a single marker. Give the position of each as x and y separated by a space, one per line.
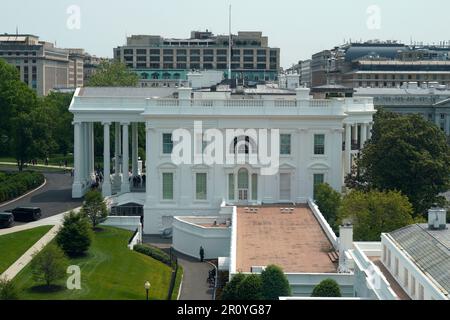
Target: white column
117 155
348 149
106 186
91 141
363 134
369 133
355 133
77 188
134 148
125 159
83 154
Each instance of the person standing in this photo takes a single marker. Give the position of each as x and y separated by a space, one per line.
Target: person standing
202 254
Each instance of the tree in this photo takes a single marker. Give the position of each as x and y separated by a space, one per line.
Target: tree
375 212
327 288
94 207
274 283
409 154
8 290
113 74
328 200
230 292
75 236
49 265
250 288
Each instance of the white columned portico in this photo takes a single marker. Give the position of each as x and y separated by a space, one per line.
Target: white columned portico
77 187
348 149
92 158
106 186
84 156
355 133
134 149
125 187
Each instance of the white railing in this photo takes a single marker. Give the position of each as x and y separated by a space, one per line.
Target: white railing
324 224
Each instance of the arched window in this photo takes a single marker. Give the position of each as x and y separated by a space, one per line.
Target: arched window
166 75
243 145
176 76
155 75
144 75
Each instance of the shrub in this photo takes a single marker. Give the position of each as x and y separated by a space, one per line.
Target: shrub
230 292
14 184
327 288
94 207
250 288
274 283
155 253
8 290
49 265
328 200
75 236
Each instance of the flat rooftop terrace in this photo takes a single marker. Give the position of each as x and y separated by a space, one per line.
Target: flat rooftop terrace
291 239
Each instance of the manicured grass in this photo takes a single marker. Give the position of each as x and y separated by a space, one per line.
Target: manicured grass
177 283
110 271
14 245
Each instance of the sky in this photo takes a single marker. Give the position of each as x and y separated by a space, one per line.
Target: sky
299 28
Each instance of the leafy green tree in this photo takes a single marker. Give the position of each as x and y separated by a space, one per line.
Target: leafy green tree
274 283
8 290
94 207
49 265
327 288
230 291
375 212
75 235
406 153
250 288
328 200
113 74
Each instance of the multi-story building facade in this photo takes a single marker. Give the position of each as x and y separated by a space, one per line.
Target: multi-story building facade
381 64
155 57
76 68
432 101
305 73
41 66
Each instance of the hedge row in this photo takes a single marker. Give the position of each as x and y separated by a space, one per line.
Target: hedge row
155 253
14 184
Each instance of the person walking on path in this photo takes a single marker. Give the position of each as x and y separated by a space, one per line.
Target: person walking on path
202 254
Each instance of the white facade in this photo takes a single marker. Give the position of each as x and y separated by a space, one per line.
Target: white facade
313 129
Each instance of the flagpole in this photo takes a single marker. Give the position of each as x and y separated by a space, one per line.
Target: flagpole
229 43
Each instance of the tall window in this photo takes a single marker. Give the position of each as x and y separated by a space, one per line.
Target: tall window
285 144
319 144
318 178
167 185
167 143
254 186
285 186
406 278
231 186
200 186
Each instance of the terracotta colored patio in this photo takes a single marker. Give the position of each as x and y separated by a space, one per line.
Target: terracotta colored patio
291 239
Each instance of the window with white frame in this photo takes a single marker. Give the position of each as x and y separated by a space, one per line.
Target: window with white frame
200 186
285 144
406 278
285 186
319 144
167 143
231 186
167 186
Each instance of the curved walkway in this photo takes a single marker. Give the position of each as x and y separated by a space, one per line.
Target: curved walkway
195 273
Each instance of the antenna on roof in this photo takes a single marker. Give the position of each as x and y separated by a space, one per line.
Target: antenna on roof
17 30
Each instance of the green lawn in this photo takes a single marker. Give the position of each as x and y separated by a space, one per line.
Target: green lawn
14 245
110 271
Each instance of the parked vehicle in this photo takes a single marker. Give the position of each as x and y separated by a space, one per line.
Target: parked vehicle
6 219
26 213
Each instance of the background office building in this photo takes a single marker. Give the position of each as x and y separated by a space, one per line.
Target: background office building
155 57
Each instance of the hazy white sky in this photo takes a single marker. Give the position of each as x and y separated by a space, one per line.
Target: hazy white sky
299 28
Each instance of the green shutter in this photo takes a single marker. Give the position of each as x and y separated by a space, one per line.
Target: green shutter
231 186
167 186
254 186
200 186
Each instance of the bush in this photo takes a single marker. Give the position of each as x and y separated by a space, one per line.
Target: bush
230 292
155 253
327 288
328 200
250 288
8 290
14 184
94 207
49 265
274 283
75 236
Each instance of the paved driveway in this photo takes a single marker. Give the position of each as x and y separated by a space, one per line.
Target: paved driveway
55 197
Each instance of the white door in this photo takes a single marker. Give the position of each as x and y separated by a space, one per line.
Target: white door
285 186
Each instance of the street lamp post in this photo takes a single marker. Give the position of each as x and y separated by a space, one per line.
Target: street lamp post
147 287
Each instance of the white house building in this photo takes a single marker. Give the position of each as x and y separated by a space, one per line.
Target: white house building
313 141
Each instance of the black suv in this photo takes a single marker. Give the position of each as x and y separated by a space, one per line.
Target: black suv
6 219
26 213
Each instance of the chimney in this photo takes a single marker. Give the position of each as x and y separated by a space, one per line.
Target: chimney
345 243
437 218
184 96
